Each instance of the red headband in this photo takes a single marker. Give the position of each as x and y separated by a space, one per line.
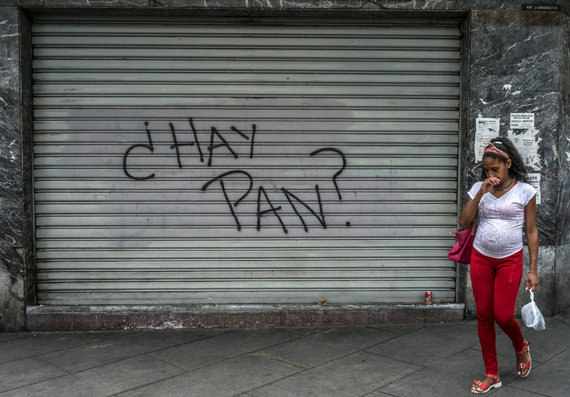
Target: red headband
493 149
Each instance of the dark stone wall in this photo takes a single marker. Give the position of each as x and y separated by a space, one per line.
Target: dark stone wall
562 284
515 68
505 47
12 269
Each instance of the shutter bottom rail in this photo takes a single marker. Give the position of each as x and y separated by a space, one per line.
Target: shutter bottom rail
83 318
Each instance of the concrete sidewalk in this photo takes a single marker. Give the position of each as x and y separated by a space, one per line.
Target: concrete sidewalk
379 360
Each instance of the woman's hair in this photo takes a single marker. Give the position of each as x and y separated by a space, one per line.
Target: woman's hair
517 170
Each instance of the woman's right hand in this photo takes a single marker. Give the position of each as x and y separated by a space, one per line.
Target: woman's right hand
489 183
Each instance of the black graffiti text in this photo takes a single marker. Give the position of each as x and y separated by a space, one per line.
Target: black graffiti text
265 206
149 147
217 143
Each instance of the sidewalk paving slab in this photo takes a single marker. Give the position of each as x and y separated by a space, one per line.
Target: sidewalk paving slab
101 381
10 336
42 343
107 351
223 379
429 344
552 378
508 391
224 346
354 375
563 316
380 394
451 377
400 329
327 345
27 371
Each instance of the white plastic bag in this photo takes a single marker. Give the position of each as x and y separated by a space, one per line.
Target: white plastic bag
531 316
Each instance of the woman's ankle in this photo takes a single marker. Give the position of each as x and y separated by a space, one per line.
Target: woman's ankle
491 378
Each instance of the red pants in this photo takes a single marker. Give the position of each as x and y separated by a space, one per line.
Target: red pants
495 287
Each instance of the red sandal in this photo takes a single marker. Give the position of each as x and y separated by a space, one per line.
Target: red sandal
482 388
523 369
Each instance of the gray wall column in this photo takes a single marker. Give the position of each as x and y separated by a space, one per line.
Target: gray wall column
12 271
562 284
515 68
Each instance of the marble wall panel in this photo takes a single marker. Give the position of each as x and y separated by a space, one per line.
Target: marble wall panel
514 5
418 5
95 3
564 136
12 294
201 3
515 60
30 3
145 3
562 281
292 4
563 252
545 297
11 187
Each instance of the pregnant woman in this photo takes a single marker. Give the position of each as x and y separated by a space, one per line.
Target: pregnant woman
504 203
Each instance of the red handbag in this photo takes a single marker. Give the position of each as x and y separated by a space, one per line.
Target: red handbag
461 251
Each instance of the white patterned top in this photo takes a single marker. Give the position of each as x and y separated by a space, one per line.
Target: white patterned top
501 220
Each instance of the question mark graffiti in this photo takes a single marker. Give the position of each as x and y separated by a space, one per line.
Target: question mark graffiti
341 154
332 149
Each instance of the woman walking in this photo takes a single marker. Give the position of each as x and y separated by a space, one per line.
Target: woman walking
503 202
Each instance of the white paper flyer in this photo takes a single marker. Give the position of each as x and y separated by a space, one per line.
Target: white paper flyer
534 181
522 121
485 130
526 142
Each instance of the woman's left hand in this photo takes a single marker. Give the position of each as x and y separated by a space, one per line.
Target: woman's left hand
531 282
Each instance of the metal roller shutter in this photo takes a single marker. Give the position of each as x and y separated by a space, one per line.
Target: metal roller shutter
194 161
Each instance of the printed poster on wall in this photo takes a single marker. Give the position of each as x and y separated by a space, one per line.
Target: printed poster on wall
522 121
534 181
524 136
485 130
